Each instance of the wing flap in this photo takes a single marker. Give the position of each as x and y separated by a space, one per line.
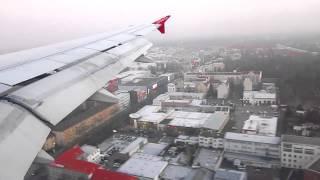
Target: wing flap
25 72
21 137
76 84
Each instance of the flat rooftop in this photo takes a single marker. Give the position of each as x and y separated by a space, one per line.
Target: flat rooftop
225 174
263 125
208 159
144 165
252 138
301 139
176 172
154 148
142 81
80 114
214 121
150 113
153 114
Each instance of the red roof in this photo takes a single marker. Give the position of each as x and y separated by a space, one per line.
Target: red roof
69 161
102 174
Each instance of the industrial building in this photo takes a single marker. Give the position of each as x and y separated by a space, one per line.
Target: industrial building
86 117
144 166
152 117
182 101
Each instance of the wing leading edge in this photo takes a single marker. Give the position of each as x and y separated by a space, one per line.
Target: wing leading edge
81 69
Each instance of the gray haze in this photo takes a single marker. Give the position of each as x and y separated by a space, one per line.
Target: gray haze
32 23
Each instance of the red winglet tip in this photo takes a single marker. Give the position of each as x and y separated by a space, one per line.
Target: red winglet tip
161 23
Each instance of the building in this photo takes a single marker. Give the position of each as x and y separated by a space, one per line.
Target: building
247 84
312 172
266 96
211 141
148 117
177 172
82 120
154 148
213 66
128 76
254 173
179 120
134 146
153 117
177 96
255 150
50 142
226 174
144 166
235 77
259 97
189 86
151 85
299 151
91 153
69 165
183 139
207 159
261 125
223 90
182 101
169 76
171 88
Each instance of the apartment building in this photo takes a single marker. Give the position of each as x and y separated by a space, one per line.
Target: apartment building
299 151
254 150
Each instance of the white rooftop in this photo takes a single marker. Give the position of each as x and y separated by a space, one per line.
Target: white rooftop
263 95
151 113
252 138
88 149
261 125
215 121
144 165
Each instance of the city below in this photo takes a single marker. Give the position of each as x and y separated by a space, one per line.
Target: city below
232 112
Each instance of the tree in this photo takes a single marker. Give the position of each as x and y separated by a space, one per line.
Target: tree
211 92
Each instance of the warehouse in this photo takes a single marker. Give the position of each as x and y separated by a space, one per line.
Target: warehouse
144 166
86 117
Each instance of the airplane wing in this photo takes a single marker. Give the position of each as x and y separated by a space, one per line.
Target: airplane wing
41 86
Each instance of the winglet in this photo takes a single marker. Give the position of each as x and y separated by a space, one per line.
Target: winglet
161 23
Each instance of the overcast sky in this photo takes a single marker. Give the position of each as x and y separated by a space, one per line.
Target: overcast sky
30 23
